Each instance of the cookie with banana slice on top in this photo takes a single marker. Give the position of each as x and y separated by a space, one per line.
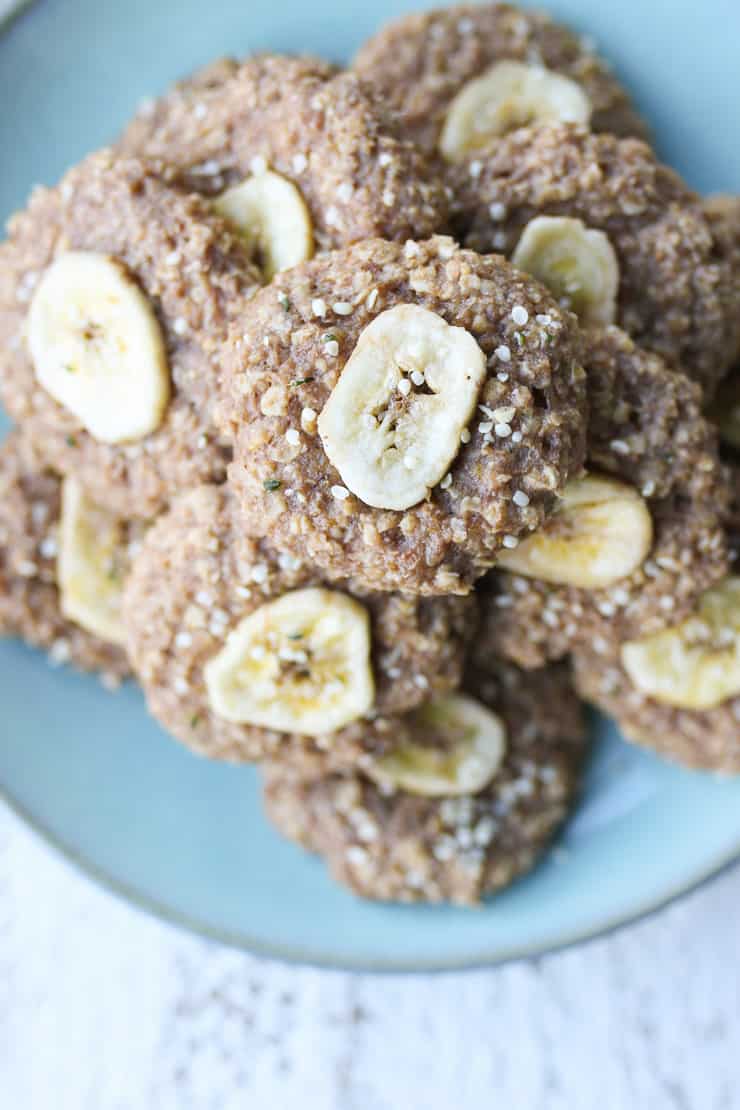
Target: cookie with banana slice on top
463 76
297 157
63 561
636 540
467 803
615 235
243 652
400 413
115 297
677 691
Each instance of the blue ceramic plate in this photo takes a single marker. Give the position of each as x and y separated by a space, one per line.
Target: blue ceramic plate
185 838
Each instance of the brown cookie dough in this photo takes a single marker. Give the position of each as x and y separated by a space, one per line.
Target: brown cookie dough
708 739
30 607
646 429
359 176
526 434
723 215
199 574
399 846
193 272
677 292
421 62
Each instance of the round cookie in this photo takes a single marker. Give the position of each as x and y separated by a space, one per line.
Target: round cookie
422 62
30 601
190 273
300 352
707 738
324 132
647 431
677 290
400 846
200 576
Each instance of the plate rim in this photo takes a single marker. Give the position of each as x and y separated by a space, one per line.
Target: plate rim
128 894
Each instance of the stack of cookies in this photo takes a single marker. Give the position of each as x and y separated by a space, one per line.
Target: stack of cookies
366 416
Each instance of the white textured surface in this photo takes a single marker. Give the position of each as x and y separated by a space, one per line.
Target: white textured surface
102 1008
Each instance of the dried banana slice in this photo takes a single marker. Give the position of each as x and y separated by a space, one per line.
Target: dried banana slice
601 531
576 263
393 421
300 663
473 744
271 215
507 96
91 564
695 664
97 347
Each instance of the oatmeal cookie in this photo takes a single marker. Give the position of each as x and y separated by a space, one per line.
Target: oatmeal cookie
36 601
399 413
115 296
244 653
387 842
429 66
635 543
616 235
326 136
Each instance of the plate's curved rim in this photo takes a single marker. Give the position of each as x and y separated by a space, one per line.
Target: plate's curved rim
288 954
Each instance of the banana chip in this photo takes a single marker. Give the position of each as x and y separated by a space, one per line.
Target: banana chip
91 564
507 96
601 532
97 347
393 422
577 264
473 745
695 664
271 215
300 663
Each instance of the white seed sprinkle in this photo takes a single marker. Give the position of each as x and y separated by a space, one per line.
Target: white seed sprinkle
502 376
318 306
543 318
465 436
344 191
331 347
620 447
283 299
293 437
173 258
27 569
343 308
475 168
204 598
502 430
417 377
389 198
260 572
446 481
485 427
503 353
300 162
340 492
59 652
519 315
520 498
332 216
404 387
497 210
243 592
183 640
510 541
356 855
516 437
371 298
258 164
48 547
308 417
180 686
385 159
180 326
